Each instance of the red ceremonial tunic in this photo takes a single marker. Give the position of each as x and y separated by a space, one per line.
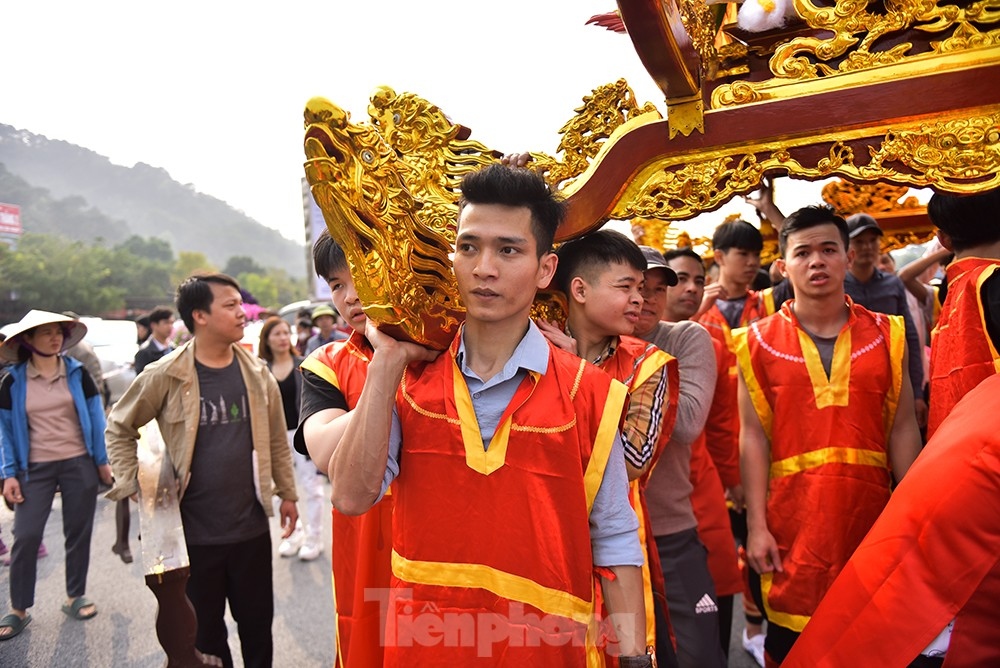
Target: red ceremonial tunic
633 362
362 545
932 556
962 354
723 426
829 475
492 558
709 505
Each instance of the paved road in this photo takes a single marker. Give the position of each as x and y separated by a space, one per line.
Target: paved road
122 634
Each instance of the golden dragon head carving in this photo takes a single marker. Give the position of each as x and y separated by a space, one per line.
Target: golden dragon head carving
438 152
400 266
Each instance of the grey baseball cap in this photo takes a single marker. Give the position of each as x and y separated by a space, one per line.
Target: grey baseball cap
654 260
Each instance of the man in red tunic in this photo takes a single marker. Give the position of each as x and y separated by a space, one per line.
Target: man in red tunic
966 340
826 414
601 275
928 559
333 377
506 463
728 304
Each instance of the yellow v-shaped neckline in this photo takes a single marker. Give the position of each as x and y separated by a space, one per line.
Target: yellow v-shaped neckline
476 458
832 390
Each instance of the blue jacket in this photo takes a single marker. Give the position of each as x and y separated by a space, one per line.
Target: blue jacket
14 440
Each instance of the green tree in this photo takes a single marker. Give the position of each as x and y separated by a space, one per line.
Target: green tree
55 274
242 264
190 262
157 250
261 287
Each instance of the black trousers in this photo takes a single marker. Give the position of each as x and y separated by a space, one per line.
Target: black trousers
691 600
241 574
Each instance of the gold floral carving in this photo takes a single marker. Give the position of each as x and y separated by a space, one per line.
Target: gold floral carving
699 22
855 27
662 235
955 151
849 198
606 109
857 35
959 155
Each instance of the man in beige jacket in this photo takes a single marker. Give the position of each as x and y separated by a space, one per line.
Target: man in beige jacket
220 413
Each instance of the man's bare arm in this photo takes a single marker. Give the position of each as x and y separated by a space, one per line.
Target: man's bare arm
755 463
627 608
357 465
911 273
322 432
904 439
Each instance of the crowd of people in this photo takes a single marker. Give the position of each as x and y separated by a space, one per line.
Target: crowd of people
578 492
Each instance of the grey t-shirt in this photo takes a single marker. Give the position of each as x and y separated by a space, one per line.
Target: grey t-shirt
668 494
824 345
732 310
220 505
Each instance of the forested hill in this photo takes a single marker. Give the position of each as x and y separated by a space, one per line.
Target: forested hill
69 190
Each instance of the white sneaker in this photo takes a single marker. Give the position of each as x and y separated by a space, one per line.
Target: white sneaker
310 551
754 647
291 545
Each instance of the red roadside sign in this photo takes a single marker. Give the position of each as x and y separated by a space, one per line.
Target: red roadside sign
10 219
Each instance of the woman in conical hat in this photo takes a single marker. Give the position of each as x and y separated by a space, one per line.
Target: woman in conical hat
51 437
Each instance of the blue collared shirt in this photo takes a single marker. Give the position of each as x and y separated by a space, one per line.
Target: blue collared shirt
613 523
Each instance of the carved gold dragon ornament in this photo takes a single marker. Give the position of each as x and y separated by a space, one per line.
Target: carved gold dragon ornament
400 266
389 193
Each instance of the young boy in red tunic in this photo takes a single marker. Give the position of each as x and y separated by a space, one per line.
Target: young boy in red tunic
826 417
601 275
506 463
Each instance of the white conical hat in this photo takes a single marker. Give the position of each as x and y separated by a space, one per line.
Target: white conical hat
36 318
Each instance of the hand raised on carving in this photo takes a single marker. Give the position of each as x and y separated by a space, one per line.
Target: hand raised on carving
557 337
399 352
516 160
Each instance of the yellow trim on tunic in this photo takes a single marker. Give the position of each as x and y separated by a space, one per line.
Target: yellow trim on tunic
323 371
832 391
476 458
761 407
796 623
652 363
832 455
607 432
897 350
507 585
767 294
983 277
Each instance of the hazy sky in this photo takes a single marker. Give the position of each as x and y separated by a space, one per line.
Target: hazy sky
213 91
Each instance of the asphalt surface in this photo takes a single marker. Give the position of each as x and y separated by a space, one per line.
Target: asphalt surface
123 633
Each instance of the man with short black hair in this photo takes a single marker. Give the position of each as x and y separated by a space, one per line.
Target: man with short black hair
826 422
220 413
523 435
966 340
161 328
